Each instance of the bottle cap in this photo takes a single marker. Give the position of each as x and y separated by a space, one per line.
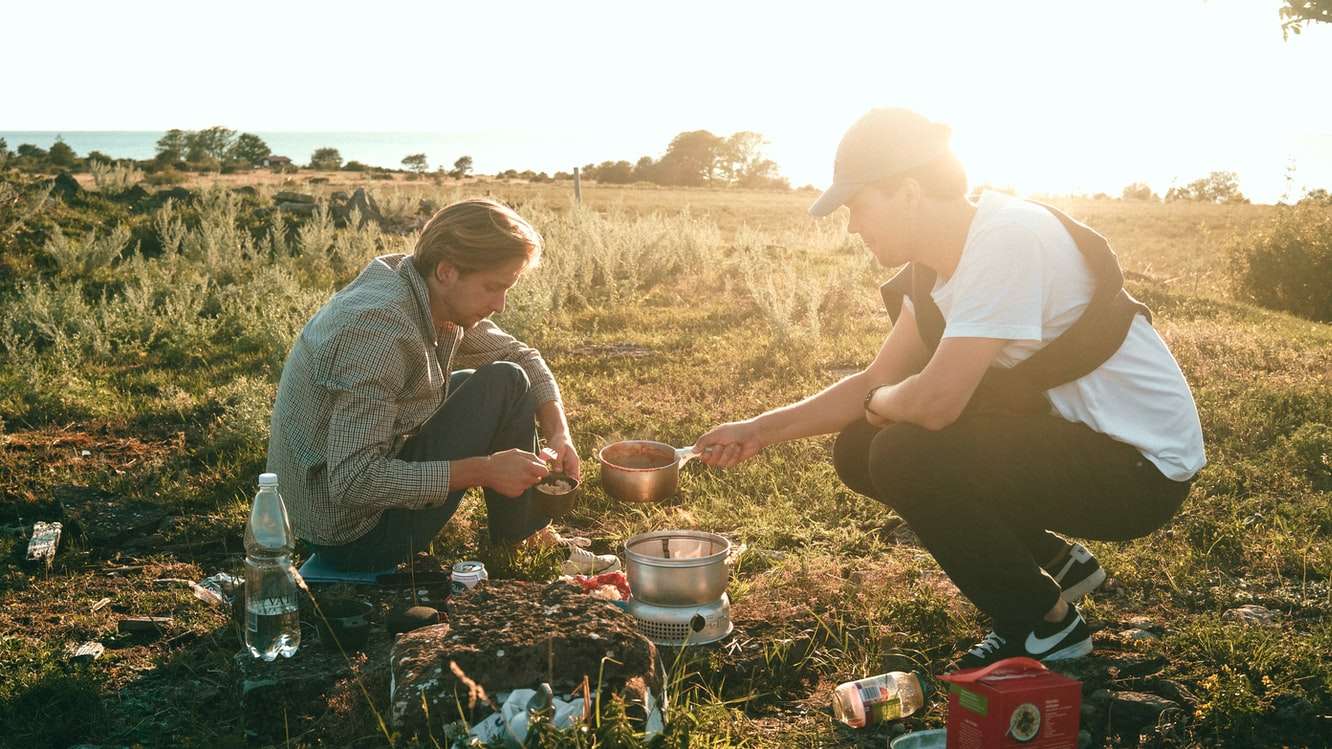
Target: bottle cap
268 479
927 685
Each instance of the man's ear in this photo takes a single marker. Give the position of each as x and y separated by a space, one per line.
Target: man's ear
446 272
911 192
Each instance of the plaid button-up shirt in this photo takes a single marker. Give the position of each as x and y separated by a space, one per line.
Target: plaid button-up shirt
366 372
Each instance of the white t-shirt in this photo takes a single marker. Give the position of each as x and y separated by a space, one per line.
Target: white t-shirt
1021 277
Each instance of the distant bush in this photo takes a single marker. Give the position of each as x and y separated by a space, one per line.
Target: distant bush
354 166
114 179
166 176
1317 196
206 165
326 159
1216 187
1139 191
1288 265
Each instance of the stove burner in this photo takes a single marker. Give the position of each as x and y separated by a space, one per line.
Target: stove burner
677 626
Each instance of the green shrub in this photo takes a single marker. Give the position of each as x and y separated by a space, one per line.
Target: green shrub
1288 265
114 179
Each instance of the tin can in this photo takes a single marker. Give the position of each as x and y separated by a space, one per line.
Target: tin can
466 575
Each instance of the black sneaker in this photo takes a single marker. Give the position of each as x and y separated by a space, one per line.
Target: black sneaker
1078 574
1048 641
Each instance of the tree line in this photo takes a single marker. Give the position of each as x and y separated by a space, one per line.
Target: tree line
698 158
694 158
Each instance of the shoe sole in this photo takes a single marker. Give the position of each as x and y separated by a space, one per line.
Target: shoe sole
1076 650
616 567
1086 585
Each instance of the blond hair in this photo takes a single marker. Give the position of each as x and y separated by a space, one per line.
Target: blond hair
474 235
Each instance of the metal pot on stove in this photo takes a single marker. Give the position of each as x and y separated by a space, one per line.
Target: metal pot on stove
678 567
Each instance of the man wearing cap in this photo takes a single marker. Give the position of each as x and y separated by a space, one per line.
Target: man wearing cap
1021 392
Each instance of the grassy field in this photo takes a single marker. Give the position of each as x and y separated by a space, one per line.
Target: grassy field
662 312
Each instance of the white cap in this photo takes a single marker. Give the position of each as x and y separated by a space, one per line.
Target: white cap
268 479
883 143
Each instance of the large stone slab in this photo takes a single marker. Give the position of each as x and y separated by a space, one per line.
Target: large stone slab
506 635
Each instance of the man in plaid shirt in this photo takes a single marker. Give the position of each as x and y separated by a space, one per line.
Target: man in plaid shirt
400 393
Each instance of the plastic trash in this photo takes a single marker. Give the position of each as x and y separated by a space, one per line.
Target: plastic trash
511 723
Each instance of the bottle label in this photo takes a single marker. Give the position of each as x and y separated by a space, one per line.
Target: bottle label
268 609
889 709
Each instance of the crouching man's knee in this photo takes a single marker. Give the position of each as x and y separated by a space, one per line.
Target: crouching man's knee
903 461
851 454
505 375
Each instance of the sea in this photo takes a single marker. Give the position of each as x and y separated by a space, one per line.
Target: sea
491 152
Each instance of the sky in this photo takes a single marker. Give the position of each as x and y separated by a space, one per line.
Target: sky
1064 96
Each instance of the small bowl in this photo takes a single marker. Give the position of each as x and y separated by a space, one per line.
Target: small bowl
345 622
936 738
556 494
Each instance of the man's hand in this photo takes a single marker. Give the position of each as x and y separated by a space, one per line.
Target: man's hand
727 445
565 457
513 472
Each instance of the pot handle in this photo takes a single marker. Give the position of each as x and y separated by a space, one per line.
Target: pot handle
685 454
734 556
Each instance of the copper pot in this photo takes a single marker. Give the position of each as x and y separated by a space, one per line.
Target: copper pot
642 470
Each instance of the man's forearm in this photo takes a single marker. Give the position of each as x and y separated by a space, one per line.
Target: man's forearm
550 416
465 473
823 413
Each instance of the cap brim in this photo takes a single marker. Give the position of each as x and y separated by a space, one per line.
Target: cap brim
833 198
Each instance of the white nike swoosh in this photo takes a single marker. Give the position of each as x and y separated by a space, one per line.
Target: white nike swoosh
1037 645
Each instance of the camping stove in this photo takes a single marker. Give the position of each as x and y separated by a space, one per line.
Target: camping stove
676 626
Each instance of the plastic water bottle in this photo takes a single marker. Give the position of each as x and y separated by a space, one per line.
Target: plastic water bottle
876 699
272 610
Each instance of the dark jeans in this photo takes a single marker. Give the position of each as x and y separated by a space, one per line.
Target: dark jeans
985 493
488 410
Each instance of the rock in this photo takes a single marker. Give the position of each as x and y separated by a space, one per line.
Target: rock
1252 615
1131 711
366 205
132 195
414 618
1132 667
1138 635
103 519
1171 690
286 196
302 209
88 652
177 194
66 187
1141 622
505 635
1091 714
143 625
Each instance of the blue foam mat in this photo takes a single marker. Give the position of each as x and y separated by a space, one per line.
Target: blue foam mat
315 570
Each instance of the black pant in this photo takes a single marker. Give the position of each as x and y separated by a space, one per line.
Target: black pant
985 493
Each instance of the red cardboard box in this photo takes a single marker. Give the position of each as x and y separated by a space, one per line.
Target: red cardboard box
1014 703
